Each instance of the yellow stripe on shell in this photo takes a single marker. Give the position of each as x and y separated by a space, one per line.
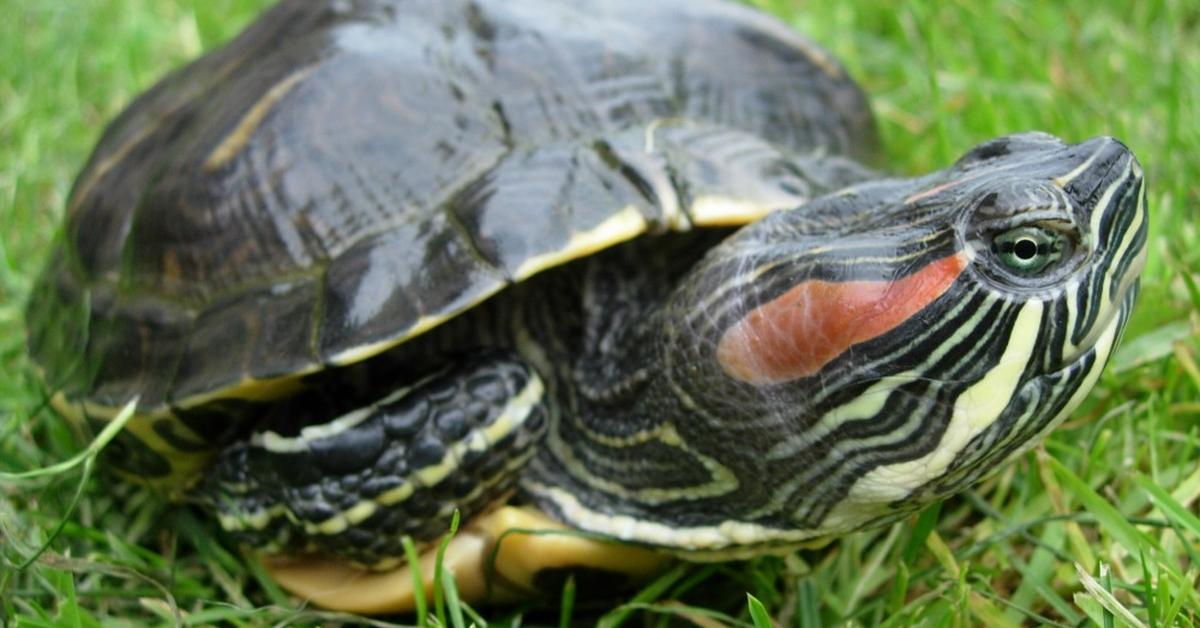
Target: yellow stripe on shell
354 355
719 211
106 164
668 199
251 389
241 134
620 227
114 157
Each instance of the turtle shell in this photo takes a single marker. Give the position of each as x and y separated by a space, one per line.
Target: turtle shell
345 175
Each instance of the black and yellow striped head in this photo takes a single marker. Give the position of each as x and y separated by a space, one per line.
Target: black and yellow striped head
892 343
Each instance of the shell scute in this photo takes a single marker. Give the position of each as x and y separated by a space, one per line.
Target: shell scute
410 158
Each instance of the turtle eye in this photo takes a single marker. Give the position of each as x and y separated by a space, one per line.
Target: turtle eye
1030 249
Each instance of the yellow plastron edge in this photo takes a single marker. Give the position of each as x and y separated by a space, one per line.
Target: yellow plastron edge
336 585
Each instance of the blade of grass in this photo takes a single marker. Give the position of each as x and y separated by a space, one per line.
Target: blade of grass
414 566
87 457
1075 538
438 602
808 602
702 617
925 523
454 606
1111 521
1167 504
1185 358
940 551
1024 613
1149 600
102 439
986 613
69 609
652 591
566 606
476 618
1037 575
1105 598
758 613
899 590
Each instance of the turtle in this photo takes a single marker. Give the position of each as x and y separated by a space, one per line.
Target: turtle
621 273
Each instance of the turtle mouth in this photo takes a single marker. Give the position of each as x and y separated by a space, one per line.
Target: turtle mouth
1126 298
1116 227
1121 295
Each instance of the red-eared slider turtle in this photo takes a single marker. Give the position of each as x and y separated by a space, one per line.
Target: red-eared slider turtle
375 261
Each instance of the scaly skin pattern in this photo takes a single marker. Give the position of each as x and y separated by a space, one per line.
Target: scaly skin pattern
839 365
354 486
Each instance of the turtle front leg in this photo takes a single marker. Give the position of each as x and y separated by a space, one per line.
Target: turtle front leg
331 503
353 487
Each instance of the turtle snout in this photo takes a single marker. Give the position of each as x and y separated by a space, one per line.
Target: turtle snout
1090 167
1109 187
1005 145
1109 184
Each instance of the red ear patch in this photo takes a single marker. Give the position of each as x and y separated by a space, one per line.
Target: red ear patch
800 331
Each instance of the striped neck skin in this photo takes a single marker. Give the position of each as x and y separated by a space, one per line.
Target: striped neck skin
838 365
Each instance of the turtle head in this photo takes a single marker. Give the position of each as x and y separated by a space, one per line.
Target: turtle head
891 343
1061 227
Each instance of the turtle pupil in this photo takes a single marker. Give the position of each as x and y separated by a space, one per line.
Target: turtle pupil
1025 249
1029 249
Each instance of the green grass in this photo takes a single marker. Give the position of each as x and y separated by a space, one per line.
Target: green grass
1098 526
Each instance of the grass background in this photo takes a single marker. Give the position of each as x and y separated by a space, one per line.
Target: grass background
1098 526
